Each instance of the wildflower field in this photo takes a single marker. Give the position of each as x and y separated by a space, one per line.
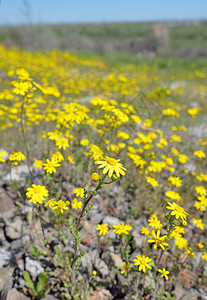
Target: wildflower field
105 165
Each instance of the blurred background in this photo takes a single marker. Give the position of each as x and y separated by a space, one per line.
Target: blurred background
136 28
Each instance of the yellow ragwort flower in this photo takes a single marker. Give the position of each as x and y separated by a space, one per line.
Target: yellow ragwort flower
142 261
110 166
164 273
122 229
177 211
103 228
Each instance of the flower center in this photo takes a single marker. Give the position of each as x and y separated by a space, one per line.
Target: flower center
37 190
112 161
143 261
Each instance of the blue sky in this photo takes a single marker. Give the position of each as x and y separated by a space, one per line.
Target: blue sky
76 11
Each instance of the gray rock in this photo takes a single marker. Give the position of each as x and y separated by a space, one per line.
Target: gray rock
116 259
5 257
33 266
88 260
6 203
13 230
102 267
138 238
111 221
16 295
18 173
5 278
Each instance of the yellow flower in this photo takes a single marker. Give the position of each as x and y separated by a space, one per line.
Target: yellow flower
200 190
76 204
145 231
199 223
154 222
173 195
21 88
113 148
200 245
51 203
95 177
57 156
110 166
202 177
50 166
152 181
164 273
190 253
175 181
61 206
54 135
126 268
193 111
204 256
158 240
123 135
181 243
37 193
62 143
175 138
17 156
177 211
103 228
79 192
3 155
122 229
182 158
200 154
70 159
38 164
84 142
170 112
142 261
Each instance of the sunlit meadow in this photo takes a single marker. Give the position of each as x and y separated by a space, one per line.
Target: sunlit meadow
97 140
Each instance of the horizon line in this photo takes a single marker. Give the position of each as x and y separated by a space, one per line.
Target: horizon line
202 20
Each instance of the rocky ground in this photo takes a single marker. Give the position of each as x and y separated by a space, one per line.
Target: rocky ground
17 235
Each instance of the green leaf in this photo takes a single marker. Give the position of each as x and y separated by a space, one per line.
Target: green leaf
29 284
57 250
41 285
35 251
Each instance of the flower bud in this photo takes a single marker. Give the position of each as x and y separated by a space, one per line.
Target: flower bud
114 177
95 177
184 222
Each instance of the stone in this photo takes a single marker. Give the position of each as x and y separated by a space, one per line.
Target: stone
181 293
102 294
18 173
88 259
87 225
102 267
138 238
88 240
13 231
5 257
117 261
6 202
33 266
5 278
13 294
111 221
